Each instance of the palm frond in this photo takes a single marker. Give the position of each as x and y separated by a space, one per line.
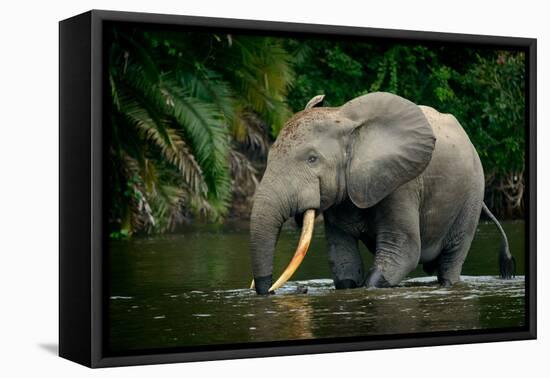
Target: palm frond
138 213
205 127
168 202
190 114
261 70
172 146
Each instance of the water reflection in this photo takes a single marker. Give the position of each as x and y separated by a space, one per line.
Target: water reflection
188 290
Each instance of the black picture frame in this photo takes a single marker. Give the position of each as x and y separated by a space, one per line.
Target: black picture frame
82 236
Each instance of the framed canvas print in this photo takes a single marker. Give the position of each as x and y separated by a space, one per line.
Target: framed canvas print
234 188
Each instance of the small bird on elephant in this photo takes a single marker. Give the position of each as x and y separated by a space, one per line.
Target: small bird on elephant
403 179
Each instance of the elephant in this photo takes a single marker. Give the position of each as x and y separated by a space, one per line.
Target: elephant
403 179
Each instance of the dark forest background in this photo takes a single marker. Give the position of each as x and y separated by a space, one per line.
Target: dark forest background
193 115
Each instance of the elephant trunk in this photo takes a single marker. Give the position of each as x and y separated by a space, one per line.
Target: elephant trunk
269 213
271 209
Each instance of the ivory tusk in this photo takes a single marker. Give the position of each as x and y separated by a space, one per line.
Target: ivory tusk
252 284
301 250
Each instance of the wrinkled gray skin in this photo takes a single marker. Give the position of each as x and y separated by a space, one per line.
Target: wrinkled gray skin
403 179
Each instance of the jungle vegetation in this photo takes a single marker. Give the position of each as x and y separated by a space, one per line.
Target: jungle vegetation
193 114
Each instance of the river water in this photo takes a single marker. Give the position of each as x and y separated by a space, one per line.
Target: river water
191 289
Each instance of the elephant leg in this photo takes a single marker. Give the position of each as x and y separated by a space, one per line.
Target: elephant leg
345 260
397 254
457 245
397 224
452 258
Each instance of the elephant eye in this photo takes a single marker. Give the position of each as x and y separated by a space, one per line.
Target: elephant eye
312 159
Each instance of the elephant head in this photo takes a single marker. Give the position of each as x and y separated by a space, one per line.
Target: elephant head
363 151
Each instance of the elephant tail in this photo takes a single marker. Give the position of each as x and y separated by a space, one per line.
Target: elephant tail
507 262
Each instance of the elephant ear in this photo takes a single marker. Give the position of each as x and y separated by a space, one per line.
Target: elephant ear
391 143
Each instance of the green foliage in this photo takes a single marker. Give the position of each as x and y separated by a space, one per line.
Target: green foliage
326 67
261 78
179 103
496 119
193 114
